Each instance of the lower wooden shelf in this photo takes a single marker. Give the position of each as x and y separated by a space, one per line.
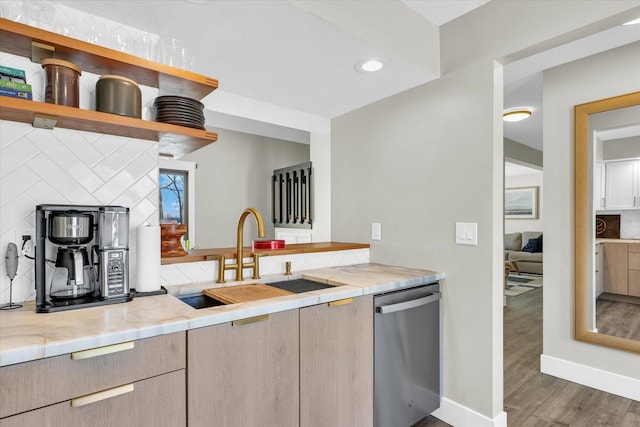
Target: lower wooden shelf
174 141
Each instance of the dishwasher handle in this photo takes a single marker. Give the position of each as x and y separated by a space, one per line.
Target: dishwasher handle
406 305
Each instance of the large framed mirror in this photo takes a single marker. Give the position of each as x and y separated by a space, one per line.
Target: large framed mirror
618 116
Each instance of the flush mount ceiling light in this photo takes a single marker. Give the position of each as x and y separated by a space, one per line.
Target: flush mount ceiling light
633 22
516 114
371 65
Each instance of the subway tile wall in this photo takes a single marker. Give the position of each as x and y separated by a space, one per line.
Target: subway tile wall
69 167
205 271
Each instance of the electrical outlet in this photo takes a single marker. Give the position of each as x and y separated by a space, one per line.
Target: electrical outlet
25 240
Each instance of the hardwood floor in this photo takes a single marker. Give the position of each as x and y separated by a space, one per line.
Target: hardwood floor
618 318
533 399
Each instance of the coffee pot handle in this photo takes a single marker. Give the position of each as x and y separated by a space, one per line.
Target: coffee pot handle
78 267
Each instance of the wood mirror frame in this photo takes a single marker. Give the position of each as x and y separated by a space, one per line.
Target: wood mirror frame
583 213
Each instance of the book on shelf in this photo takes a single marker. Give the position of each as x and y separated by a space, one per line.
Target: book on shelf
8 84
12 74
16 93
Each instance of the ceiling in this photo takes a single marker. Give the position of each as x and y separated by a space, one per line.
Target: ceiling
281 62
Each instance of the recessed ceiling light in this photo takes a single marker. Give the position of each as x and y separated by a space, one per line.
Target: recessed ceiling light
516 114
633 22
371 65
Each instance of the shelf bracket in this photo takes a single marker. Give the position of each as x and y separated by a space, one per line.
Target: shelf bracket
40 51
44 122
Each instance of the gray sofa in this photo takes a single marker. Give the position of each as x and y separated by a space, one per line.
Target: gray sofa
527 262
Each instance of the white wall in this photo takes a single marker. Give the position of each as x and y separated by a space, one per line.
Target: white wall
601 76
424 159
528 180
408 163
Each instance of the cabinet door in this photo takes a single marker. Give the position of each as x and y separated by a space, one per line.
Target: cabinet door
621 185
336 364
634 270
599 269
157 401
615 277
245 374
598 186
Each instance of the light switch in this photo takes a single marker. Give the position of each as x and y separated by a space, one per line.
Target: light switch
466 233
376 231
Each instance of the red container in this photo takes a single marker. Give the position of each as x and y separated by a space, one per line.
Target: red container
268 244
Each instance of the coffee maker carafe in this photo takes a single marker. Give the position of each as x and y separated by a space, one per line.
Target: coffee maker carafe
90 246
74 275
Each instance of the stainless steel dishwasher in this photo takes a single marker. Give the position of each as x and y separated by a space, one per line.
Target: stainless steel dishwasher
406 355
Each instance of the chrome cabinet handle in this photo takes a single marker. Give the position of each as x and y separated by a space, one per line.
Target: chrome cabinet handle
392 308
101 351
101 395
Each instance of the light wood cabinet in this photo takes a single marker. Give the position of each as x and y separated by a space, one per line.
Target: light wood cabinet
336 364
245 374
634 269
18 39
114 376
616 269
157 401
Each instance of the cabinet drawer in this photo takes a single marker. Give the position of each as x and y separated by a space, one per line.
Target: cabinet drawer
157 401
634 247
31 385
634 260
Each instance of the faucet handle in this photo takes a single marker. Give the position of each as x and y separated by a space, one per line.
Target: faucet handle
287 268
256 266
221 262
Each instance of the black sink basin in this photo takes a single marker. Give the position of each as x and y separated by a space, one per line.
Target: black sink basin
299 286
199 300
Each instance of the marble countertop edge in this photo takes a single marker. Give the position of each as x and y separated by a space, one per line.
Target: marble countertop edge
26 335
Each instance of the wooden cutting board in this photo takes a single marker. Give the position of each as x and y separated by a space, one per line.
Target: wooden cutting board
244 293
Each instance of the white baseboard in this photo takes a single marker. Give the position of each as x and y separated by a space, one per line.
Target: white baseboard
591 377
460 416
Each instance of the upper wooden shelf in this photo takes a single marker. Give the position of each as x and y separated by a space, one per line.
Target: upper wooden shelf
17 38
174 141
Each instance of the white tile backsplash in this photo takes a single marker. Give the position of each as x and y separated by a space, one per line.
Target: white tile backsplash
68 167
193 272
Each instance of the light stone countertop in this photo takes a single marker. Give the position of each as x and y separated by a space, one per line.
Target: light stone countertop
26 335
626 241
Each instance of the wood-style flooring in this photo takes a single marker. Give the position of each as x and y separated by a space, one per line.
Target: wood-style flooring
618 318
533 399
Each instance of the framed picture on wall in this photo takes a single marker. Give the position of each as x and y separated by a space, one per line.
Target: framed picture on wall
521 203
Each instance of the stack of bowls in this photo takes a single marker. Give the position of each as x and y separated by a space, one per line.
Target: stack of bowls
178 110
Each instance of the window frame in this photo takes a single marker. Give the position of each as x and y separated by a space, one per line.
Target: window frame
190 169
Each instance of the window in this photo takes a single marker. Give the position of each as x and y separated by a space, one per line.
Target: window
176 182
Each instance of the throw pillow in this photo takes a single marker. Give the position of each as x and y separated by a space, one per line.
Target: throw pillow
513 241
533 245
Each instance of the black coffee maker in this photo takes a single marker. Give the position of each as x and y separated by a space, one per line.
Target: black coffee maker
90 247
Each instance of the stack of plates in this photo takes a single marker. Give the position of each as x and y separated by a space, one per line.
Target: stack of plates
181 111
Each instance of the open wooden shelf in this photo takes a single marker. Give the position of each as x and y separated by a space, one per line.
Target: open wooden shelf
175 141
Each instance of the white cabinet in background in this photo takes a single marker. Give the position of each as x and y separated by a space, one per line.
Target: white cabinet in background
599 269
622 184
598 186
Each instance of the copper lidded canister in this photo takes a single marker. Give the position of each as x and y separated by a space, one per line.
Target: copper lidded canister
62 82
